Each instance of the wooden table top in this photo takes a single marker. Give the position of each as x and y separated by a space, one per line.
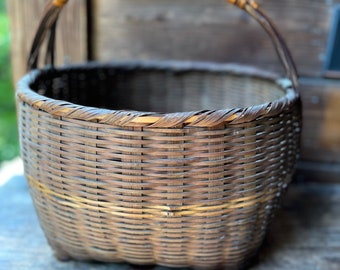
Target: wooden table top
304 236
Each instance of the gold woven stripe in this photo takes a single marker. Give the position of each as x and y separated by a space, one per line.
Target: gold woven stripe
148 211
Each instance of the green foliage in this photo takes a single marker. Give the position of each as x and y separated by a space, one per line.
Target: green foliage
8 126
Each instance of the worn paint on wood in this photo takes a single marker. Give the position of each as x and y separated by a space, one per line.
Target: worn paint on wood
71 37
210 30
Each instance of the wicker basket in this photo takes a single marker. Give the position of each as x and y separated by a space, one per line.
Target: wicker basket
195 185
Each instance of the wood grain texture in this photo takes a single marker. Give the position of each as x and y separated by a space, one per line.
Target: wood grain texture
210 30
321 123
71 37
304 235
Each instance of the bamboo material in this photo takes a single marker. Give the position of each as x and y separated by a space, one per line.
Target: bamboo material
170 163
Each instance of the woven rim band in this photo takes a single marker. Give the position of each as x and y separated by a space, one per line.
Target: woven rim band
210 118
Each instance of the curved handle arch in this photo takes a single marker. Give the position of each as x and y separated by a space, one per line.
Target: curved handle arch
48 24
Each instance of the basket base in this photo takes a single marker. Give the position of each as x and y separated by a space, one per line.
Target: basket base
59 253
62 256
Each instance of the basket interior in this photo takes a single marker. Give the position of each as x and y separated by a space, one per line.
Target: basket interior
156 90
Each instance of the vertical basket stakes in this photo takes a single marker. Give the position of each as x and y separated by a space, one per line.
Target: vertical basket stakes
169 163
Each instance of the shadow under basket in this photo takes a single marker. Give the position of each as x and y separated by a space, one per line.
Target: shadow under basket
176 164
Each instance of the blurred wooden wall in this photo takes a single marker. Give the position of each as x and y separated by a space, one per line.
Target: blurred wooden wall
71 38
208 30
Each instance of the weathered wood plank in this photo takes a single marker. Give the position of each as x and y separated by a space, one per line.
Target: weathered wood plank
210 30
305 230
71 37
321 122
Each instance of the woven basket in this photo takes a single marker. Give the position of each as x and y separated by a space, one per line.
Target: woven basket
169 163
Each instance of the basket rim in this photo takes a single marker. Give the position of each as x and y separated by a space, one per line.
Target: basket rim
131 118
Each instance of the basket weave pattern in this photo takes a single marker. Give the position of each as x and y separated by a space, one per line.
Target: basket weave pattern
109 188
170 163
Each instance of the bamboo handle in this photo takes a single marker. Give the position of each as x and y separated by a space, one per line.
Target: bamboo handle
254 10
50 18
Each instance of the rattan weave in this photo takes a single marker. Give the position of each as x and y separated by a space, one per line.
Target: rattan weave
170 163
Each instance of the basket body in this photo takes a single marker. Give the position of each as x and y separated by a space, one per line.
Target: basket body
196 187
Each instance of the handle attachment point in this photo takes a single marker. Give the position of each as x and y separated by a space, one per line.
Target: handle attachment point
59 3
254 10
242 3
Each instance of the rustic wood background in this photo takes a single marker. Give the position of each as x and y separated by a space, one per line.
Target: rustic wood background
71 38
208 30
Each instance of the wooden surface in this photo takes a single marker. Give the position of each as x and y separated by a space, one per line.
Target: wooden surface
191 29
305 234
71 38
321 122
188 29
210 30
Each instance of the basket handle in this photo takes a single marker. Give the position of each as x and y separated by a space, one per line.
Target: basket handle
49 21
